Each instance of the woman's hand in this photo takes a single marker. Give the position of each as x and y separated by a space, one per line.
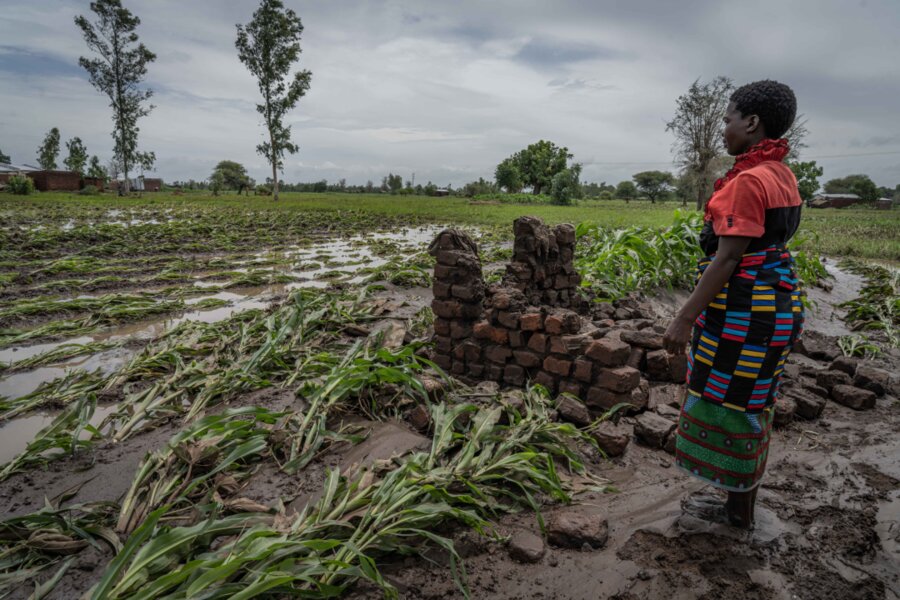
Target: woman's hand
678 335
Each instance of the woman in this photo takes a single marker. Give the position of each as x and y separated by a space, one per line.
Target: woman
745 311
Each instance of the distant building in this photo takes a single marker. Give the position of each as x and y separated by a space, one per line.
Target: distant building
834 200
7 170
56 181
441 192
885 203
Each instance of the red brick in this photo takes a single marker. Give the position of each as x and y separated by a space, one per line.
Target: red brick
609 352
499 335
516 339
463 292
441 326
531 322
566 344
557 366
482 330
514 375
527 359
441 289
637 359
460 329
508 319
547 380
538 343
447 309
494 372
678 368
619 379
471 310
568 386
471 351
447 257
476 370
497 354
553 324
601 399
658 365
443 344
583 370
458 367
443 361
500 300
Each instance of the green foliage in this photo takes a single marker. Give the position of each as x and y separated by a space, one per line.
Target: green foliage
807 174
118 73
49 150
89 190
234 176
878 306
392 183
566 185
268 46
78 156
616 262
654 184
807 262
216 182
626 190
508 177
20 185
697 126
476 188
96 170
858 345
538 163
4 158
861 185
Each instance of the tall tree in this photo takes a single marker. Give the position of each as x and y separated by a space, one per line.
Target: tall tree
697 126
508 177
78 156
4 158
539 162
807 174
234 175
626 191
49 150
95 169
268 46
118 73
654 184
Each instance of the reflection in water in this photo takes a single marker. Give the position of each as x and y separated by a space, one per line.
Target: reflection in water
15 435
355 249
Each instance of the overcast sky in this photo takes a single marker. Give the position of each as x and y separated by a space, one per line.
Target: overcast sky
447 89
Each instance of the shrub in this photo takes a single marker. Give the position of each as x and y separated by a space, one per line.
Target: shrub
264 189
89 190
20 185
565 186
605 195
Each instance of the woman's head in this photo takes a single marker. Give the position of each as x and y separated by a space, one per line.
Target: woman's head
758 110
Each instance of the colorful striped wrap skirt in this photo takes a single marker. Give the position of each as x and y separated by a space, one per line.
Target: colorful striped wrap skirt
739 347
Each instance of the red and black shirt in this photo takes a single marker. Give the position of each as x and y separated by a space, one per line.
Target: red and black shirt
762 202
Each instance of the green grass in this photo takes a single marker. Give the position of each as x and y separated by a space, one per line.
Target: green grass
859 232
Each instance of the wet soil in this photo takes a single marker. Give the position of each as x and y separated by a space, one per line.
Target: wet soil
828 518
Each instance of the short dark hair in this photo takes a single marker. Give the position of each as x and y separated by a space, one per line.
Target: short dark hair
774 103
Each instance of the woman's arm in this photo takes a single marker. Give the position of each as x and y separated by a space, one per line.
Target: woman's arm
716 275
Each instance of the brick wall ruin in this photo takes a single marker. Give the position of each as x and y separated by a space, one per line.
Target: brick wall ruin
538 325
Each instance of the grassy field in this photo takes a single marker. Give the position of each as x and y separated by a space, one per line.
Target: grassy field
246 331
862 232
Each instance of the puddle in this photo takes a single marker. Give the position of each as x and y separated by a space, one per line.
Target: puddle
823 316
16 434
22 384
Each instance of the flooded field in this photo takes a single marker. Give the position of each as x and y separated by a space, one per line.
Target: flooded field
257 386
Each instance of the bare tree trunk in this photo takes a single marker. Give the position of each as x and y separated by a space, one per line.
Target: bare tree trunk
274 168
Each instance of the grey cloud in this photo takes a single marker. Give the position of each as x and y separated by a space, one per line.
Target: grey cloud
547 54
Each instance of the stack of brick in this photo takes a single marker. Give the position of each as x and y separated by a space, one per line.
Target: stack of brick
542 267
458 302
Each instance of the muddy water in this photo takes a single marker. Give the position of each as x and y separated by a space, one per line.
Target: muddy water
18 433
349 255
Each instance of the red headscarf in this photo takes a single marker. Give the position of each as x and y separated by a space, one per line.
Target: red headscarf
767 149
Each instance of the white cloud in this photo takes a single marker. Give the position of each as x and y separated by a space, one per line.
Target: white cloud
447 90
